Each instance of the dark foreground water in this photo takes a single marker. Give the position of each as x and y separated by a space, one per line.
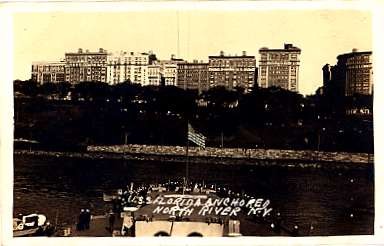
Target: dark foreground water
333 202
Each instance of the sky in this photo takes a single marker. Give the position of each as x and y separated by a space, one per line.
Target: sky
321 35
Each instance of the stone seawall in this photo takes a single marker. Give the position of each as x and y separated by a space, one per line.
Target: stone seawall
235 153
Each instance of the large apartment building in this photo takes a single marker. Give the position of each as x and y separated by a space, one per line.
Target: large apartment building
232 71
279 67
86 66
48 72
353 74
359 73
193 75
128 66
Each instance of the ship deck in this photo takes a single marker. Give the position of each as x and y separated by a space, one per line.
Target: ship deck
171 205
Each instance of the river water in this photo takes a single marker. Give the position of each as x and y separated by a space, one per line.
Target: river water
331 201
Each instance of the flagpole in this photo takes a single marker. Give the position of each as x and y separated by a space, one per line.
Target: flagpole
187 149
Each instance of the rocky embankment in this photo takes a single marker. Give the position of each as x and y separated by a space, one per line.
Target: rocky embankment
260 154
226 156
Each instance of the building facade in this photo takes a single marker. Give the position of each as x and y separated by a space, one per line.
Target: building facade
168 70
232 71
193 76
154 74
353 74
169 73
326 74
48 72
86 66
128 66
279 67
359 74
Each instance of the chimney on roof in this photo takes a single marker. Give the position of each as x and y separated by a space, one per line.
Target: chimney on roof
354 50
288 46
86 51
80 50
221 53
101 50
244 53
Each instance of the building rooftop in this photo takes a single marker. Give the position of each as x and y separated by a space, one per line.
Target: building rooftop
287 47
222 55
48 62
354 52
231 57
87 52
194 63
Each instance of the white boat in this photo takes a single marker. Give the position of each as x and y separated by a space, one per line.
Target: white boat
29 225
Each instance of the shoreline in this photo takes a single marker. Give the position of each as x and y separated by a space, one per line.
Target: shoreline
215 156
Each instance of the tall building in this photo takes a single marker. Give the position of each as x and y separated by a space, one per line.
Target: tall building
232 71
326 74
193 76
279 67
353 74
86 66
128 66
48 72
359 73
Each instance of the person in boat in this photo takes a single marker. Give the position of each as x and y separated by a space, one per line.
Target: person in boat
87 219
80 224
111 219
20 216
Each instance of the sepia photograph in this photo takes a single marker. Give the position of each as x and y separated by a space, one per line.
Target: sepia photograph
161 119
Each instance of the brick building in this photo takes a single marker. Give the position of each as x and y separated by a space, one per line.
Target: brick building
279 67
48 72
193 76
232 71
86 66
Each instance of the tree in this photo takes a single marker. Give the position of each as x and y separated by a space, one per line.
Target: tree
98 91
48 88
63 88
26 87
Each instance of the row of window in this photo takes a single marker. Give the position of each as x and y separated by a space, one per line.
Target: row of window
278 56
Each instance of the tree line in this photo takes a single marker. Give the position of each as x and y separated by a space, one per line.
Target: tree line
98 113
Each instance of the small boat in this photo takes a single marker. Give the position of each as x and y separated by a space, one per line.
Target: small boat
31 225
